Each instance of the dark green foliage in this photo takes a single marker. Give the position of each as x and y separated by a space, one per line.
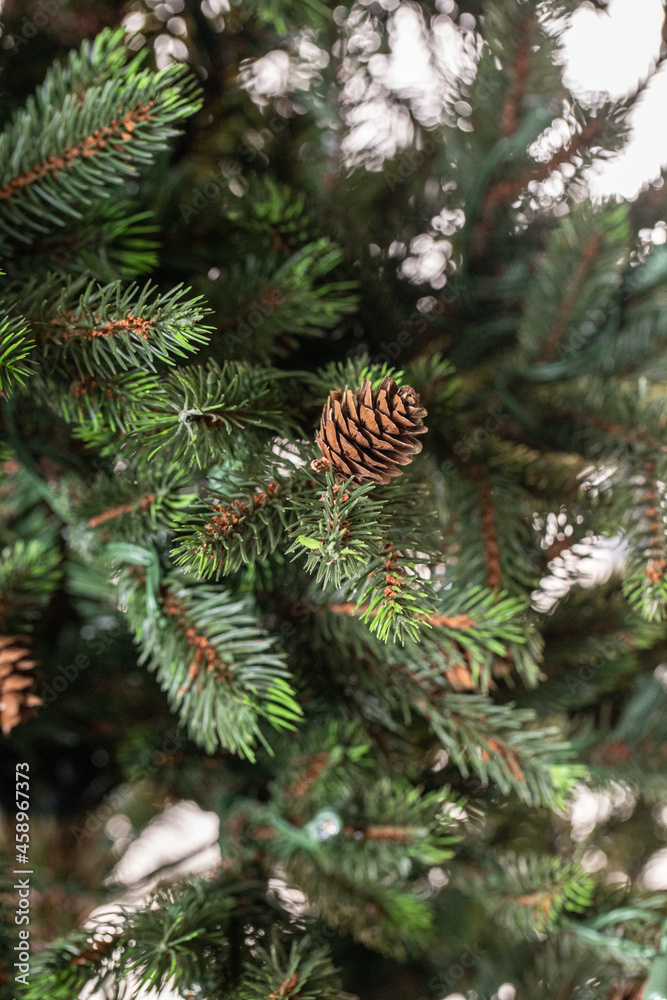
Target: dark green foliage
282 16
29 571
16 348
163 945
217 665
241 524
113 328
129 508
531 893
270 296
368 684
66 150
344 531
305 972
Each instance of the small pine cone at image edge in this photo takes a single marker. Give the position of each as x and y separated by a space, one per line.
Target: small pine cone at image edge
16 679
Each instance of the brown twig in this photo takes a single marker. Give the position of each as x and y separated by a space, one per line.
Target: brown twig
127 508
393 575
655 570
285 988
543 900
307 778
96 950
488 525
450 621
509 117
90 146
506 190
205 656
589 254
509 755
397 834
127 324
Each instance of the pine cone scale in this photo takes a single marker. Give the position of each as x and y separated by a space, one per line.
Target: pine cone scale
368 421
368 434
10 654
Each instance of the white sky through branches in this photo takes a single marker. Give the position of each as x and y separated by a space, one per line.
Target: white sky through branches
612 53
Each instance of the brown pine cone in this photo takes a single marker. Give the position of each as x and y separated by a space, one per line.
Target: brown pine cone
16 676
369 434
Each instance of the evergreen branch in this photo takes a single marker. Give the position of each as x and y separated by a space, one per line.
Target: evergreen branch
104 58
503 192
449 621
16 346
53 166
434 380
243 522
287 297
392 821
395 587
203 413
396 598
503 744
113 240
225 536
29 572
133 509
283 16
332 758
631 422
382 918
102 409
635 333
383 835
276 210
532 893
636 746
487 513
303 973
372 831
573 291
216 664
485 634
86 147
114 328
589 253
341 530
167 943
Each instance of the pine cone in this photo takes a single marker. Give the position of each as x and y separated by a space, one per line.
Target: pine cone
16 702
369 434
